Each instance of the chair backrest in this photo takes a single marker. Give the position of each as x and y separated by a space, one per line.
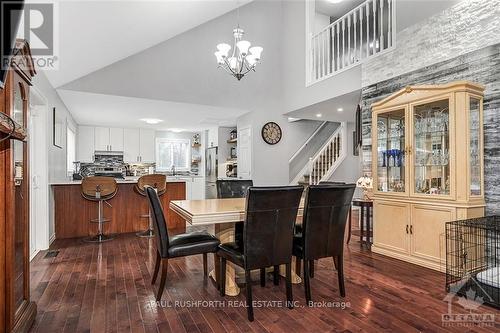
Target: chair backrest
331 183
325 215
236 188
160 224
155 180
99 188
269 223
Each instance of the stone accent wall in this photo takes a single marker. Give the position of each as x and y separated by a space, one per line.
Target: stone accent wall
467 26
481 66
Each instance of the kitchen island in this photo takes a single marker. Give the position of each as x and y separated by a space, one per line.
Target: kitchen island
72 213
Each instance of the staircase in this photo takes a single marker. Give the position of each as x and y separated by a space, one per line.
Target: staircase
322 165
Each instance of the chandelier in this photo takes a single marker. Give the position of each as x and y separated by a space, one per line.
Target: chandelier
243 59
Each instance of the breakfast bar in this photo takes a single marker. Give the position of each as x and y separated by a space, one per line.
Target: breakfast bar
72 212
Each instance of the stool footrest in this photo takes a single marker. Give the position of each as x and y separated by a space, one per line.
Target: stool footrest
100 238
102 220
146 233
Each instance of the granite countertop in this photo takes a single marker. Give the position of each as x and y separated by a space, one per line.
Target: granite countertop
128 180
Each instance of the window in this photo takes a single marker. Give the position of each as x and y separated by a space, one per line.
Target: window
173 152
70 148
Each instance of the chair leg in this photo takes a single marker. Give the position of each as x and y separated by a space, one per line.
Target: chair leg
276 275
289 297
340 270
222 284
248 282
335 262
298 265
205 269
307 286
311 268
217 270
262 277
163 278
157 268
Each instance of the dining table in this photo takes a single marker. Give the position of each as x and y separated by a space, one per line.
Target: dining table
223 214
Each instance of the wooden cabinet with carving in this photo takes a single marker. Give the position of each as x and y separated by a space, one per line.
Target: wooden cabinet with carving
427 166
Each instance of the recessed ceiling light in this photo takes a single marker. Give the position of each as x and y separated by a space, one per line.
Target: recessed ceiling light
151 121
176 130
335 1
340 109
319 115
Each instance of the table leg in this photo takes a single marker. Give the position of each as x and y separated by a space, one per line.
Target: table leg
225 232
362 222
295 278
350 224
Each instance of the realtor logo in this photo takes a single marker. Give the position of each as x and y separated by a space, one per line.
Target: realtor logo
471 301
36 23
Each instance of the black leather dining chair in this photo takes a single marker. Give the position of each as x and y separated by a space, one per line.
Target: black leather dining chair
181 245
267 237
323 227
234 188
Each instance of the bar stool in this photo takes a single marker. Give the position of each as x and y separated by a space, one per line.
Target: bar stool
159 183
99 189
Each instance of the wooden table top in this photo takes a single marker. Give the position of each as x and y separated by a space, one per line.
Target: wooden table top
213 211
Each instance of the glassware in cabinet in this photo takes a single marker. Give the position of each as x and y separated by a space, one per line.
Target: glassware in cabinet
391 151
431 148
475 146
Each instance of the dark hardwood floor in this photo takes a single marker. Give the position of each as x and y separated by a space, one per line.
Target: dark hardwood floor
106 288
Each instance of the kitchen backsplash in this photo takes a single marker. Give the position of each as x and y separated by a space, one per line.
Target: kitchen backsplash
140 169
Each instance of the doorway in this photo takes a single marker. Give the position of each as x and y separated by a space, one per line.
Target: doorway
39 173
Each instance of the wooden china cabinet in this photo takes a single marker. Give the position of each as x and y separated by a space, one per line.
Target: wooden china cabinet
427 165
17 312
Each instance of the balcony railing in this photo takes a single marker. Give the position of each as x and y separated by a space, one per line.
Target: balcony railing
364 32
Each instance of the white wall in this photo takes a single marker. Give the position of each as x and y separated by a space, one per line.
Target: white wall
321 21
56 156
350 170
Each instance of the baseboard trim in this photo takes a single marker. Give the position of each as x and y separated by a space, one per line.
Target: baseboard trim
52 239
409 259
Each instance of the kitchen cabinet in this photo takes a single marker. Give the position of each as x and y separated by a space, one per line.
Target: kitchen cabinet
108 139
245 153
147 146
131 145
195 188
427 166
85 151
139 145
213 137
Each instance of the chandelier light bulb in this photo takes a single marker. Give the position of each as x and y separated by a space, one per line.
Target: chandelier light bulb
251 60
243 46
224 49
233 62
220 59
256 52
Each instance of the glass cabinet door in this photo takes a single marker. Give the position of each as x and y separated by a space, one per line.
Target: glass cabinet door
391 151
431 148
475 146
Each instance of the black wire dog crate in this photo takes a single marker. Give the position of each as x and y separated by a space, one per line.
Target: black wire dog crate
473 258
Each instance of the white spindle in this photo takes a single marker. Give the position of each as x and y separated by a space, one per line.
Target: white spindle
374 26
355 36
325 51
367 12
381 32
329 51
361 33
389 26
343 43
338 48
348 40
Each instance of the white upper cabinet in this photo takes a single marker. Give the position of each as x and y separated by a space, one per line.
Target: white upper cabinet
108 139
85 144
213 137
147 144
131 150
102 138
116 139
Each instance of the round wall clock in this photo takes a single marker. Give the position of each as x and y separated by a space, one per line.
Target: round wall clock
271 133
